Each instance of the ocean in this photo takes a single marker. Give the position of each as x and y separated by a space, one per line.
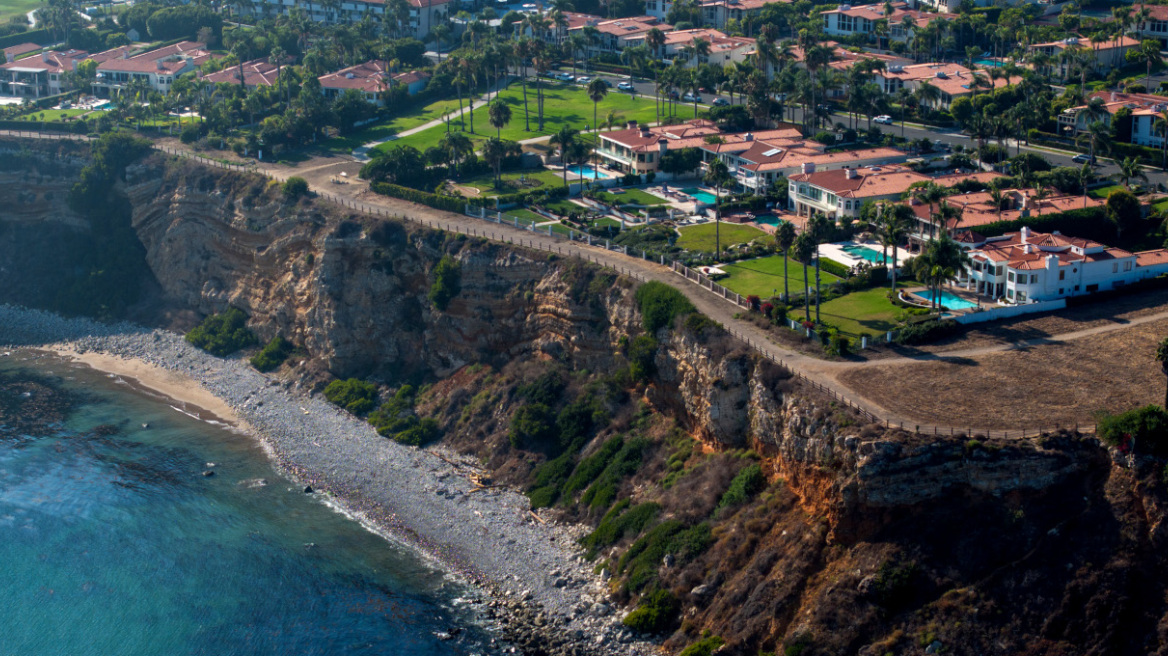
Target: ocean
113 541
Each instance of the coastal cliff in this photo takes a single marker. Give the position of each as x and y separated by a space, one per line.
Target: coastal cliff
859 539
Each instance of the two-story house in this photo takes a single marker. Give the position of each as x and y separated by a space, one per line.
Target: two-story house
158 68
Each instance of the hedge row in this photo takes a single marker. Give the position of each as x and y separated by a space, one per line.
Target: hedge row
526 197
73 127
447 203
41 37
834 268
1088 223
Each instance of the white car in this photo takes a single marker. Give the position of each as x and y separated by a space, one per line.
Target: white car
583 79
625 86
691 97
883 118
565 77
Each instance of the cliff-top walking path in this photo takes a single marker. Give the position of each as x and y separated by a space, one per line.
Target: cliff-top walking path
322 175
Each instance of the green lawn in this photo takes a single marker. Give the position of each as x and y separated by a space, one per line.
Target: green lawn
10 8
563 105
861 313
526 217
631 196
51 114
564 207
1104 192
408 118
762 276
486 182
606 222
702 237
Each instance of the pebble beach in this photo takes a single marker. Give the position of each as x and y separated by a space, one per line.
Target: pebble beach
533 579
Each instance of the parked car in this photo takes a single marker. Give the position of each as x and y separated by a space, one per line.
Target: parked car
673 94
721 102
1083 159
884 119
825 108
625 86
691 97
565 77
583 79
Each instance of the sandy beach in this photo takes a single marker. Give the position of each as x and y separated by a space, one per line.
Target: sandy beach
192 396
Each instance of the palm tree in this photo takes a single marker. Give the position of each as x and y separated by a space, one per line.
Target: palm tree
784 237
1098 136
499 114
440 33
1130 169
495 150
1162 358
930 193
903 98
1161 128
458 146
805 248
937 264
564 139
894 230
718 176
597 90
818 226
1085 176
1149 54
997 198
927 95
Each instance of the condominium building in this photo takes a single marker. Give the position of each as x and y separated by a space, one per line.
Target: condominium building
952 81
372 80
849 20
1103 55
723 49
758 160
613 36
423 14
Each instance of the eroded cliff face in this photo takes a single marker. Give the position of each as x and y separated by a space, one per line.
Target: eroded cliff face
872 540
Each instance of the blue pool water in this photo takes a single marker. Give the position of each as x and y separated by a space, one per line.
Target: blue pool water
948 299
989 62
702 195
587 172
115 543
769 220
865 253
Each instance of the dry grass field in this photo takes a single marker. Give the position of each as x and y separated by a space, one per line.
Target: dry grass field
1036 387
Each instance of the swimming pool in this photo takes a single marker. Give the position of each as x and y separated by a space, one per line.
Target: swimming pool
865 253
769 220
948 299
990 63
587 172
702 195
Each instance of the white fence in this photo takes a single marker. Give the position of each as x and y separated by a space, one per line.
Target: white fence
1007 311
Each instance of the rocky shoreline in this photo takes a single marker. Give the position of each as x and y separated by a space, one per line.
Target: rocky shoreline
544 595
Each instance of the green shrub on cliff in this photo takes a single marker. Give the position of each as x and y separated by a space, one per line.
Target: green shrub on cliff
447 282
295 187
704 647
354 395
396 420
660 305
223 334
1144 430
656 613
272 355
745 485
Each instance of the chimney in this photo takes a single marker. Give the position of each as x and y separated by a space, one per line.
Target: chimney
632 125
1112 96
160 65
662 146
126 53
749 136
809 167
852 174
1025 234
1025 200
45 57
644 130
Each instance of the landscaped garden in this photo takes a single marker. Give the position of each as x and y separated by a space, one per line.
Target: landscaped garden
407 119
634 196
867 312
702 237
514 181
563 105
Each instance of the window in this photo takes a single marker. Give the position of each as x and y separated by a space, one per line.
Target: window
1062 275
1060 291
1033 278
1010 277
1115 267
1127 266
1010 293
1021 297
1076 288
999 272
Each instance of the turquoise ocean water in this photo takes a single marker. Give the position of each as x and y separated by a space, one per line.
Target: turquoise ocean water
112 542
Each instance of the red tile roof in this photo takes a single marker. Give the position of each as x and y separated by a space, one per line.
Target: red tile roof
370 77
256 73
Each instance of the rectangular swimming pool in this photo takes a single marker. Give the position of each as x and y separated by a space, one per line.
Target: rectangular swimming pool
947 299
702 195
865 253
769 220
989 62
587 172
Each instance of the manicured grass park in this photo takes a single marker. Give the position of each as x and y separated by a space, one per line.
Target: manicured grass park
762 276
526 217
408 118
702 237
11 8
563 105
1103 192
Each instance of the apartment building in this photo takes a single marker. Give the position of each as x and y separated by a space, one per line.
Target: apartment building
758 160
723 49
1105 55
717 12
423 14
850 20
613 36
952 81
372 80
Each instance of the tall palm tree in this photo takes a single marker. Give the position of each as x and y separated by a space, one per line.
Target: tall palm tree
805 247
718 176
564 140
1098 136
495 150
930 193
818 226
1085 175
499 114
784 237
894 230
458 146
597 90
